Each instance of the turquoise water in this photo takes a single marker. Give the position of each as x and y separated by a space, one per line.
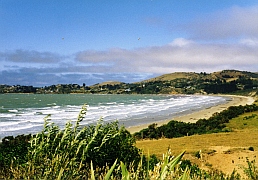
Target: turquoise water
24 113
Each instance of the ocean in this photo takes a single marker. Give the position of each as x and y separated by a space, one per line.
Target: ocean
24 113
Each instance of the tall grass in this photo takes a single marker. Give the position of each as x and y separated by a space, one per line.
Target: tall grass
56 153
53 152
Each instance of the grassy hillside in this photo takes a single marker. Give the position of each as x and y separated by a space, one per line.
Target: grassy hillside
223 151
228 75
173 76
226 81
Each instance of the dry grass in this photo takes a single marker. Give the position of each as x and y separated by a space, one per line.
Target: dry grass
223 151
243 139
107 83
248 121
244 127
172 76
231 75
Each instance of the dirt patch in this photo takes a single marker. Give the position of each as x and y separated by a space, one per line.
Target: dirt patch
224 158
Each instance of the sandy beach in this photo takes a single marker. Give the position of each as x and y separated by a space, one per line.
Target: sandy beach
205 113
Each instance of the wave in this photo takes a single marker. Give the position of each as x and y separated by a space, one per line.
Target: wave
127 110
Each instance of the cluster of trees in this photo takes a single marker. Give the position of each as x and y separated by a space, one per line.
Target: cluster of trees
17 89
241 83
216 123
56 89
221 88
13 148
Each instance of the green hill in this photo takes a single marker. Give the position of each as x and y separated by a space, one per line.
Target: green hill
226 81
228 75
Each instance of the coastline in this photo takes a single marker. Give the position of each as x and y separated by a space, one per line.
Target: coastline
204 113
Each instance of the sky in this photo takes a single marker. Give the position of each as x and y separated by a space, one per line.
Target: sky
46 42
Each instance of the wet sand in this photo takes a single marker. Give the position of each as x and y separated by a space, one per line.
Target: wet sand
205 113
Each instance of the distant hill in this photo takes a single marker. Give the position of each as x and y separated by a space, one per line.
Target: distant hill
228 75
226 81
107 83
173 76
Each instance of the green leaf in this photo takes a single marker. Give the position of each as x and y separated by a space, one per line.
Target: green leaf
125 173
107 176
92 171
175 161
170 165
186 174
60 173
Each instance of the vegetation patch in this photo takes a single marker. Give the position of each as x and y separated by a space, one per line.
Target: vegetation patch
251 148
214 124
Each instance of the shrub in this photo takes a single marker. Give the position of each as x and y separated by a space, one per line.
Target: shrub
197 154
251 148
251 171
14 148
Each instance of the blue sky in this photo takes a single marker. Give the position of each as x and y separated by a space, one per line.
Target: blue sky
45 42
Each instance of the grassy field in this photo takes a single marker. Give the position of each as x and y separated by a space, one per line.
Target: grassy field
222 151
241 139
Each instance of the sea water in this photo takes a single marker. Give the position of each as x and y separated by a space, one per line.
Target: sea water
25 113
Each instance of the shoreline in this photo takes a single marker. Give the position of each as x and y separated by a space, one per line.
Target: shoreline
204 113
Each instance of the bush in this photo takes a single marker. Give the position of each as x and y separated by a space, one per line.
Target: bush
197 154
251 148
14 149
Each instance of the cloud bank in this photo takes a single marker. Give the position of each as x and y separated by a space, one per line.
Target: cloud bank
179 55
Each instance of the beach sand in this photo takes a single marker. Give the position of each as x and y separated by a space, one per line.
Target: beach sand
205 113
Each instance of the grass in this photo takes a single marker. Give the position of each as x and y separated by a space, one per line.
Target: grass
195 143
247 121
244 130
173 76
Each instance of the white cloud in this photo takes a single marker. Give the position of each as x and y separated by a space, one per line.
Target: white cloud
180 55
249 42
234 22
180 42
25 56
